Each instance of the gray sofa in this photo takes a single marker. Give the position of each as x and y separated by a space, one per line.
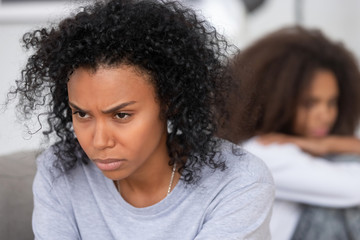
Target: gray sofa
17 172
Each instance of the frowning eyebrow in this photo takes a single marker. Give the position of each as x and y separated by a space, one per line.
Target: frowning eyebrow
118 107
113 109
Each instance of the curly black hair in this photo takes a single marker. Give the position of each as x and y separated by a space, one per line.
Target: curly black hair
185 57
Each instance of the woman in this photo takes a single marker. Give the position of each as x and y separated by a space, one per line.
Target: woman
130 89
300 97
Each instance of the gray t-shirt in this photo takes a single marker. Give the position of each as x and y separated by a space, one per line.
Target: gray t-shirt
83 204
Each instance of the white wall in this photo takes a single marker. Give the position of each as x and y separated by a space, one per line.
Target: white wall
339 19
15 20
11 59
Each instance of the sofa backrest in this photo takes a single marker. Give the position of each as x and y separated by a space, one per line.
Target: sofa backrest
17 172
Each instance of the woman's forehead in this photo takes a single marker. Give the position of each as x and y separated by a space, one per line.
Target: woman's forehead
109 83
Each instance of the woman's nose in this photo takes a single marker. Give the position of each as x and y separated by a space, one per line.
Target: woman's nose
102 137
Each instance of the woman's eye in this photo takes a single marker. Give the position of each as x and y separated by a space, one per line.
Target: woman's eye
81 114
122 115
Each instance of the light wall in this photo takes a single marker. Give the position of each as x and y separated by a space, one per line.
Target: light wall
15 20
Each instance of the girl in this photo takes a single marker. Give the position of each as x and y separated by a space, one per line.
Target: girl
300 96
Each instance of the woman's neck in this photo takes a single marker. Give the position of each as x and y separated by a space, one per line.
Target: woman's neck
148 188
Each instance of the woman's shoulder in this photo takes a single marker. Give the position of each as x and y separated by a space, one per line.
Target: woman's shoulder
46 160
243 165
50 166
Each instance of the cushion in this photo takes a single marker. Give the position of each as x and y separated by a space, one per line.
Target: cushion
17 172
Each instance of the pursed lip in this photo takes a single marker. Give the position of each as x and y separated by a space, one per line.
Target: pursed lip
107 160
109 164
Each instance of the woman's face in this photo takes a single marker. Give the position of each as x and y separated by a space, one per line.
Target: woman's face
116 119
318 108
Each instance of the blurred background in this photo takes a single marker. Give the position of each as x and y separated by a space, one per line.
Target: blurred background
241 21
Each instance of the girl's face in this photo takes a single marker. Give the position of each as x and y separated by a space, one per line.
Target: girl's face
318 108
116 119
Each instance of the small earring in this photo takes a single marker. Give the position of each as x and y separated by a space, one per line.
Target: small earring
169 126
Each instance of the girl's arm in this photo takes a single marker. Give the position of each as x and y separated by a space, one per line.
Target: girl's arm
304 178
317 146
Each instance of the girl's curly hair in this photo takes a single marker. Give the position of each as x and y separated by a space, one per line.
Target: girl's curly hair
274 73
184 56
